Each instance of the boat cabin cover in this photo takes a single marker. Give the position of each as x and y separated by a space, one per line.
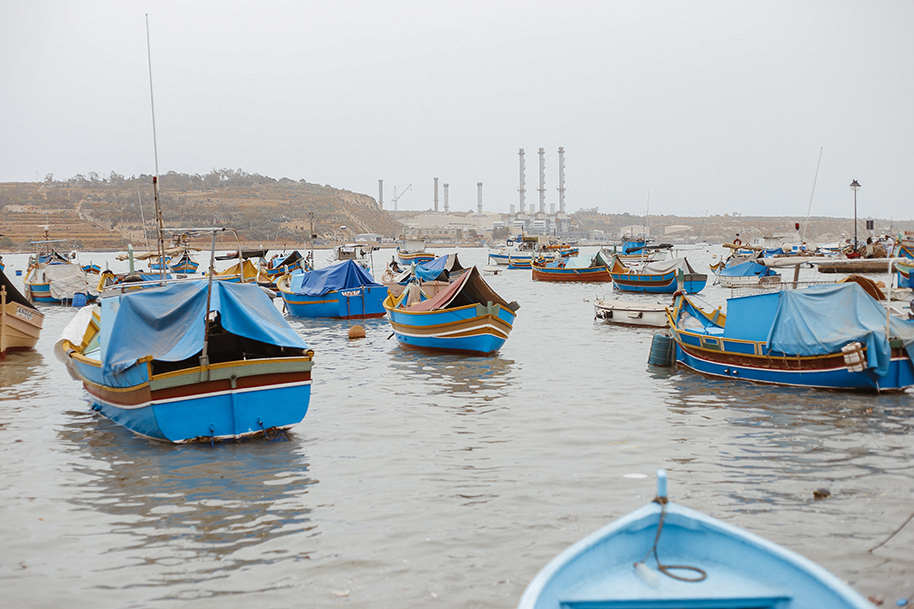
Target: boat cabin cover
346 275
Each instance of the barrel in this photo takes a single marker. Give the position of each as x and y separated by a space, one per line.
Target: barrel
79 300
663 351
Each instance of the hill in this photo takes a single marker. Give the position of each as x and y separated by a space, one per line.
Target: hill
107 213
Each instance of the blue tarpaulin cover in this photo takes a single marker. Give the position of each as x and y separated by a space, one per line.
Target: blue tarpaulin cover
167 322
823 319
344 275
747 269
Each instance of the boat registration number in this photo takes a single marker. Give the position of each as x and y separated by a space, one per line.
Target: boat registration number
350 293
23 313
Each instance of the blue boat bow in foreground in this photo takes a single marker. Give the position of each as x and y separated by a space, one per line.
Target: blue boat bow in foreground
667 556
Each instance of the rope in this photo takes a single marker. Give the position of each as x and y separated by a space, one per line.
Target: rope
665 569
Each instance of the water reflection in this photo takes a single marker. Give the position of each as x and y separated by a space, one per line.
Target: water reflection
18 367
485 377
208 509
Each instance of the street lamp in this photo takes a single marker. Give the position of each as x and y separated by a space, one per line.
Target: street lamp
855 187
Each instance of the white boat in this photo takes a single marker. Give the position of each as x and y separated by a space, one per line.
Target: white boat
630 313
359 252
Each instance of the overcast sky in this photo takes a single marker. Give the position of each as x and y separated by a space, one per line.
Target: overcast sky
697 106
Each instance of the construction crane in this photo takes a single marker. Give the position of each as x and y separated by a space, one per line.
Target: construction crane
397 196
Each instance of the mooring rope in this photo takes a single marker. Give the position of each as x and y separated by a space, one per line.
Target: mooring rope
665 569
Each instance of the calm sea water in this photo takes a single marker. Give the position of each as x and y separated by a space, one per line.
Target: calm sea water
434 480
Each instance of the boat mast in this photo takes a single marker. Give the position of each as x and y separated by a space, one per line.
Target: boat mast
155 179
809 209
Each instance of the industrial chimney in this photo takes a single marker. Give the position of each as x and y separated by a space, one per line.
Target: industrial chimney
436 195
445 199
521 190
561 187
381 194
542 187
479 199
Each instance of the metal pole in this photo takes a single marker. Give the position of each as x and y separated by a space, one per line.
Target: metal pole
855 220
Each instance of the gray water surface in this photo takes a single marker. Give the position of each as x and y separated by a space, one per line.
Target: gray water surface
422 480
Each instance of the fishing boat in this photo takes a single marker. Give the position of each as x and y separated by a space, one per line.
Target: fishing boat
344 290
630 313
243 272
433 276
638 249
359 252
904 276
277 267
91 269
527 247
831 336
664 277
52 278
243 254
467 317
20 320
190 361
588 269
412 251
744 271
664 555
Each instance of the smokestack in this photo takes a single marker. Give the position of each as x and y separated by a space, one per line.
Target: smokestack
521 190
436 195
561 188
542 187
512 209
381 194
445 199
479 199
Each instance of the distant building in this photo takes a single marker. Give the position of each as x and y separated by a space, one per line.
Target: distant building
369 237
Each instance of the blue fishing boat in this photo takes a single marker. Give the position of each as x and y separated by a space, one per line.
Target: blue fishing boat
432 276
344 290
179 362
468 316
52 278
663 277
277 267
664 555
743 271
833 336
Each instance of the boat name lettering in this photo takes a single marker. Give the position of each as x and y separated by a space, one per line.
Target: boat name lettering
23 313
349 293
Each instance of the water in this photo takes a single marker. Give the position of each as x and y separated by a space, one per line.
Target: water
447 481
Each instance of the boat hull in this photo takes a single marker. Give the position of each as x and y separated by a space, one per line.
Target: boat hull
357 303
599 274
19 327
658 284
742 569
749 360
239 399
474 329
626 313
407 258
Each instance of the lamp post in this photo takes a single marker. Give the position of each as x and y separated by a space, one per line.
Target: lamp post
855 187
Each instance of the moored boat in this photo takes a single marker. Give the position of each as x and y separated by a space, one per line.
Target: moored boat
742 271
433 276
630 313
20 320
833 336
180 363
285 265
664 555
344 290
52 278
589 269
466 317
663 277
412 251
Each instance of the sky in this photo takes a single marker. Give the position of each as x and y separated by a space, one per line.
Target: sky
676 108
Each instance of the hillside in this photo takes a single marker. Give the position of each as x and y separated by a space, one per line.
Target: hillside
108 213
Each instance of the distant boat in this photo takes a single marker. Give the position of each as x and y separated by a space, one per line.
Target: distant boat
277 267
178 364
742 271
20 320
832 336
52 278
581 269
359 252
433 276
343 290
630 313
663 277
664 555
412 251
244 254
638 249
467 317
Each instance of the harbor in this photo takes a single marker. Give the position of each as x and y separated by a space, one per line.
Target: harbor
420 479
